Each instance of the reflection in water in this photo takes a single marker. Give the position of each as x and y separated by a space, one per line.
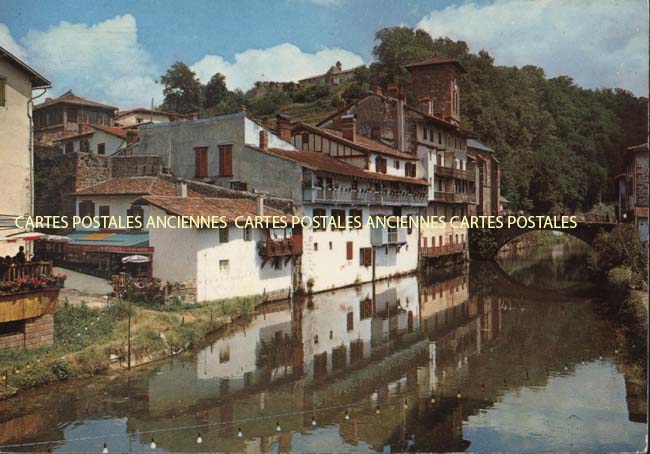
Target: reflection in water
475 361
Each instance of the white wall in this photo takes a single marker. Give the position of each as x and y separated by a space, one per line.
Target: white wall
329 268
14 150
252 136
112 142
182 255
118 207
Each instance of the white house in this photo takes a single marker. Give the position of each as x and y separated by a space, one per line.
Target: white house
97 139
222 262
17 80
142 115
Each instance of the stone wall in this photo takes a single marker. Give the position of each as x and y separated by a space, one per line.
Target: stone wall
435 82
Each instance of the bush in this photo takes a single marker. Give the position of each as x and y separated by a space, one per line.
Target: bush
622 247
60 370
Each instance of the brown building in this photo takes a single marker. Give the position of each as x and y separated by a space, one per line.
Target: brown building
488 177
59 117
633 195
336 75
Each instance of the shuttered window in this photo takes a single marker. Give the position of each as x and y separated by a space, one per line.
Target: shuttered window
87 208
349 253
365 256
225 160
201 162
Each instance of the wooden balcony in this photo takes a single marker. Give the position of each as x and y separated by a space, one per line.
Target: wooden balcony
457 197
282 248
443 171
27 270
439 251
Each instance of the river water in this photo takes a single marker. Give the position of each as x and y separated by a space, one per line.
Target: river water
510 358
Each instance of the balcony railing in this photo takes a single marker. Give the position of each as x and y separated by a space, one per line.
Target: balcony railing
332 195
28 270
437 251
444 171
382 236
452 172
458 197
281 248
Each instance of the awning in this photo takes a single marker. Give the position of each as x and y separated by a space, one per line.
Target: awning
25 236
120 242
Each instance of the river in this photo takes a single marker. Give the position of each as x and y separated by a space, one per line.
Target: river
506 357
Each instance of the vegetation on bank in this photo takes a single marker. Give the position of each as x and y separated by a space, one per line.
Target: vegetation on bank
92 341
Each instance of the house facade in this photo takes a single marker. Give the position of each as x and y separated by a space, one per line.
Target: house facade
488 187
224 262
633 199
97 139
336 75
63 116
17 81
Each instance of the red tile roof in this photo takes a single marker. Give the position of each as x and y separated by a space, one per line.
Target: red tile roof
326 163
111 130
134 186
437 61
360 143
70 98
89 130
231 208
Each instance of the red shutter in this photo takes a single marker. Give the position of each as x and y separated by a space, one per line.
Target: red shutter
349 253
225 160
201 162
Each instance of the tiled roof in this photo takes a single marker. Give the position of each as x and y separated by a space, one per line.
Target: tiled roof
70 98
360 143
134 186
437 61
37 80
120 132
231 208
326 163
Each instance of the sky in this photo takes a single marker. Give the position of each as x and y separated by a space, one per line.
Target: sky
115 51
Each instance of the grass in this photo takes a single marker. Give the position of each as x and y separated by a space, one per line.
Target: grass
86 339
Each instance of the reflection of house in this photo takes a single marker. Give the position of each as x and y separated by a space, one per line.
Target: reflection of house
97 139
140 115
336 75
17 80
223 261
633 189
62 116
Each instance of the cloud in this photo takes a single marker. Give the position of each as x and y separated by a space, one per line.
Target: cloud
599 44
104 62
282 63
7 41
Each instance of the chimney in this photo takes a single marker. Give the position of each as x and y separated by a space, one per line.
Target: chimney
260 204
283 127
376 89
181 188
132 135
349 127
48 99
264 140
393 90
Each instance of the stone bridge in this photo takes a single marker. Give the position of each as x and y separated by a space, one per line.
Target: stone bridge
485 243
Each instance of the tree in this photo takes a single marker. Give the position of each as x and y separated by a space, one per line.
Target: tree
182 89
399 46
215 91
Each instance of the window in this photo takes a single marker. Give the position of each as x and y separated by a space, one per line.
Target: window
316 339
365 256
223 235
136 213
339 218
439 138
69 147
224 265
238 186
305 141
248 234
87 208
201 162
424 133
409 169
101 148
330 245
350 321
104 214
380 165
349 250
356 218
315 247
396 164
320 217
225 160
224 353
3 99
